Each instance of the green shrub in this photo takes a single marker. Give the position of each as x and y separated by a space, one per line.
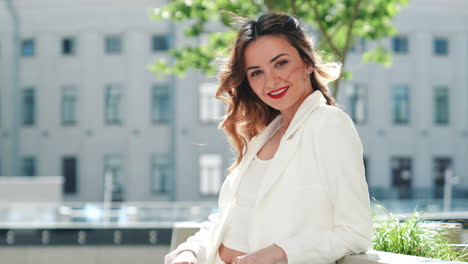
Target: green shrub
411 237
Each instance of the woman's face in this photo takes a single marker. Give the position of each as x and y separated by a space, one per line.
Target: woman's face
276 73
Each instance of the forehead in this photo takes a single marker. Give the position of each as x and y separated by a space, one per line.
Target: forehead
262 50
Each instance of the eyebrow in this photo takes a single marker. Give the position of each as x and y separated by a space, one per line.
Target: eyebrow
272 60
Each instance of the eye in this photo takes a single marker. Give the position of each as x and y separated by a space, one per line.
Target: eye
281 63
255 73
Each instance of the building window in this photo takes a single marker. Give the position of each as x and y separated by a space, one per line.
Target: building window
69 172
28 166
113 44
210 174
113 104
401 112
29 106
69 105
402 175
441 166
441 105
159 43
161 174
68 46
359 45
160 103
357 95
400 44
113 176
210 107
27 48
440 46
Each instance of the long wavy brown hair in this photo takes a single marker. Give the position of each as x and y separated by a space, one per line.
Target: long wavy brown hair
247 115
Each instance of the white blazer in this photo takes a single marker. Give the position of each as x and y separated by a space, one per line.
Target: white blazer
313 201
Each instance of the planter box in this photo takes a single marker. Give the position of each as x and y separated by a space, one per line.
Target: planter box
381 257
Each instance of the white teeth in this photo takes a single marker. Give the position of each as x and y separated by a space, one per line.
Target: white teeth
280 91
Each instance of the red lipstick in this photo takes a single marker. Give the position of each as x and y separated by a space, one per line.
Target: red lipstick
278 93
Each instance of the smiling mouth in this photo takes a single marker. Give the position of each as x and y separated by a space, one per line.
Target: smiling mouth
276 94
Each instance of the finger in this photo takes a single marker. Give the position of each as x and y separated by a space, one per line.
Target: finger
237 260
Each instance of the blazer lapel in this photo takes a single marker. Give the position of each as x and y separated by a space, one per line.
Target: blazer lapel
279 162
286 149
252 148
288 143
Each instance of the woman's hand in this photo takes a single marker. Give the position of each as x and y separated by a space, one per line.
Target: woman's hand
185 257
269 255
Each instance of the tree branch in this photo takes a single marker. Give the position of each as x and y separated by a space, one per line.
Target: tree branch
294 7
324 32
350 30
347 42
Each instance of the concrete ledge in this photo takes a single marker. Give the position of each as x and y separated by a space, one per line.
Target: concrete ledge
381 257
182 230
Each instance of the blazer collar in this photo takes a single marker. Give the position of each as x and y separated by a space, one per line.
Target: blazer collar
286 148
309 104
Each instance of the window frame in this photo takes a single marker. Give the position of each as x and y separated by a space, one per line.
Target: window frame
33 165
66 189
161 162
113 44
164 37
73 121
400 44
436 48
217 158
73 47
29 100
435 120
122 177
163 92
360 91
116 117
405 188
394 97
206 98
28 53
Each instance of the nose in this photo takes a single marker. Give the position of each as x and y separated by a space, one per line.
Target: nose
271 80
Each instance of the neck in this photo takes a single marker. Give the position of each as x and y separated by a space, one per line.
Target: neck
288 114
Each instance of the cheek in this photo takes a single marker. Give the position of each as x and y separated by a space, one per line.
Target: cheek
293 73
256 86
257 91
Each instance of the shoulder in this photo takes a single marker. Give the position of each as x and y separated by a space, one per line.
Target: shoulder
327 117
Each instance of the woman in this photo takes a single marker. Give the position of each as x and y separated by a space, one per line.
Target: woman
297 191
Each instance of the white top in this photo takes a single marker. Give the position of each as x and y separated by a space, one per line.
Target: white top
236 235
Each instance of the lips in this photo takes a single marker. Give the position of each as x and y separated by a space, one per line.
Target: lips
278 93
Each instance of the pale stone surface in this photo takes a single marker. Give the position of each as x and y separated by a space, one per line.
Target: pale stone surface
85 254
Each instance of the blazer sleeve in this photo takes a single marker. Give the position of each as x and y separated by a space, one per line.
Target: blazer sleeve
340 160
197 243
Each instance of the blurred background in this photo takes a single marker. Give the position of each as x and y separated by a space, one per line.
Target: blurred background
108 137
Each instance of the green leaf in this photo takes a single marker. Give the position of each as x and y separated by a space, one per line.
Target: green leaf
379 55
331 18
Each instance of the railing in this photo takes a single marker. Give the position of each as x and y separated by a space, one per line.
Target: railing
89 215
80 224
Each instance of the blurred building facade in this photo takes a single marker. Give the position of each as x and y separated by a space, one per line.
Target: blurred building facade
89 106
412 116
